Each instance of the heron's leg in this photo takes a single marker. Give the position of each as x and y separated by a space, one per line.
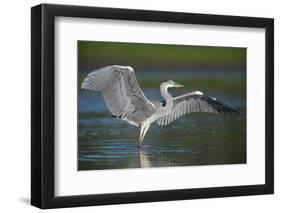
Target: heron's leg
143 132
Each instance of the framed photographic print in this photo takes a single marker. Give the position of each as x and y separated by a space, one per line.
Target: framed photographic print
138 106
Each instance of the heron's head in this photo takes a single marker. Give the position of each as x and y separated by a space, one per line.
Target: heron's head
170 83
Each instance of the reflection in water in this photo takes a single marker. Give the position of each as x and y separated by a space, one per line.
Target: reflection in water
195 139
144 160
146 163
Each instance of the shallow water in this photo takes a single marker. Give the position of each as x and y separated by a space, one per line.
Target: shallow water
194 139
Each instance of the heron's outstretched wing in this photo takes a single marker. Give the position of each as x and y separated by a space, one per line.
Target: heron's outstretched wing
193 102
121 91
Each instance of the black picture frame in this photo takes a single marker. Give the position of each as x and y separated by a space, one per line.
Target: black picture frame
43 102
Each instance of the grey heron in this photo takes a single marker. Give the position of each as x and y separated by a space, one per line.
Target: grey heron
126 101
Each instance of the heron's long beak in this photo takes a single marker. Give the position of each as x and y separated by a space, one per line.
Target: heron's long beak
179 85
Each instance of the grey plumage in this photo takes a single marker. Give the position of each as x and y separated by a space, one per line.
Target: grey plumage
121 92
193 102
126 101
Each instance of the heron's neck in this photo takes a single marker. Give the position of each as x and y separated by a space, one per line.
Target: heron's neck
167 97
